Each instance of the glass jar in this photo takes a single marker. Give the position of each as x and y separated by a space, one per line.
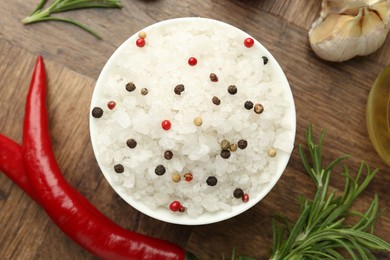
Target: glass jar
378 115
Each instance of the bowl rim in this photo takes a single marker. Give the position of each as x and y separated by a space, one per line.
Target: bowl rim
207 217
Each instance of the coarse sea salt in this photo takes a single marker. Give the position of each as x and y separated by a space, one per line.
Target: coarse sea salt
161 65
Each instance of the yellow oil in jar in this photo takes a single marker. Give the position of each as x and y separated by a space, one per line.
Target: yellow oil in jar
378 115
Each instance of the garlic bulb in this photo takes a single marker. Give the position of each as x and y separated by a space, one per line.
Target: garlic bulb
347 28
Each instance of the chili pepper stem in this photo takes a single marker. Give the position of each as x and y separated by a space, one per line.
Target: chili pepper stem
191 256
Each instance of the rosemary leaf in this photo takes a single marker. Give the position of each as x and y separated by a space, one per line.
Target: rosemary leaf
73 5
58 6
320 231
39 6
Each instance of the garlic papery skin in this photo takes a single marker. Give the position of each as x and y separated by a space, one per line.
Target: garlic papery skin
351 28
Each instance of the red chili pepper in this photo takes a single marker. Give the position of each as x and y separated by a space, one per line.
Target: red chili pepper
11 163
66 207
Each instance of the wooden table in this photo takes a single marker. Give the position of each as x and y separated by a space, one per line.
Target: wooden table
330 95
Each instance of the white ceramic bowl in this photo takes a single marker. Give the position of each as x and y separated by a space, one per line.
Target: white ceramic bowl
164 214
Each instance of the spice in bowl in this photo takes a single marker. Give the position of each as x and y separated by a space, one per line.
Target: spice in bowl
199 131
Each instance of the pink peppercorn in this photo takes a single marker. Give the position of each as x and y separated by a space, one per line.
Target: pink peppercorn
245 197
248 42
175 206
166 125
188 177
140 42
111 105
192 61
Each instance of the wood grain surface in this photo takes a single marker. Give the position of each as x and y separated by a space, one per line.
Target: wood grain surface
329 95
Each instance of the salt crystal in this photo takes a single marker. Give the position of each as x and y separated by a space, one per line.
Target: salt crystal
210 204
129 182
116 179
199 152
176 164
284 142
225 207
243 179
121 117
220 166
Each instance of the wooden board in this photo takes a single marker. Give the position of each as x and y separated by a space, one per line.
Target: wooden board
331 96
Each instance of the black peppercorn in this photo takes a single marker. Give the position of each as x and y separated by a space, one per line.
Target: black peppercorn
211 181
131 143
259 108
118 168
232 89
242 144
225 154
178 89
216 101
248 105
168 155
213 77
97 112
130 86
265 60
238 193
160 170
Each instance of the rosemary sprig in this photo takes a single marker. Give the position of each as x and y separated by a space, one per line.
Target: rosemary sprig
41 14
321 231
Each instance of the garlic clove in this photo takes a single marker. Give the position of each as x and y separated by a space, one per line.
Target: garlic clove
335 38
374 34
333 26
344 6
383 11
356 31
